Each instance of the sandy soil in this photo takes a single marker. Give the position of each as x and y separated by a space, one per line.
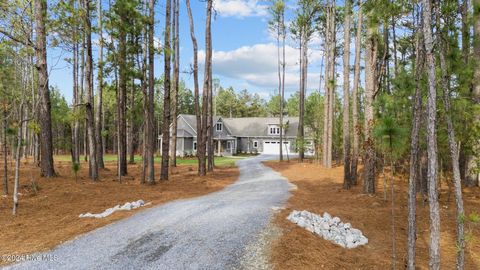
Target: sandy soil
320 190
49 216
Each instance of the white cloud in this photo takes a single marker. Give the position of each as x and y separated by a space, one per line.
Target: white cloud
157 43
257 65
240 8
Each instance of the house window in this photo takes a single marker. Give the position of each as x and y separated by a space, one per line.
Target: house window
195 146
229 145
255 144
219 126
273 130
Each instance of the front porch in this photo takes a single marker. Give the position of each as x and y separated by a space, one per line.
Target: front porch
225 147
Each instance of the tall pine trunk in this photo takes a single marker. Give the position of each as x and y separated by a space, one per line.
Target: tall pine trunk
472 177
371 52
356 82
206 128
346 97
200 154
166 95
279 67
93 169
44 114
453 147
76 102
151 96
301 103
414 154
144 87
99 109
175 82
434 249
282 94
326 99
210 135
17 161
122 97
5 152
131 124
330 88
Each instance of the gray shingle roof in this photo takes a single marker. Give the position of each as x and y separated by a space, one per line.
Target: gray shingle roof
192 120
249 126
258 126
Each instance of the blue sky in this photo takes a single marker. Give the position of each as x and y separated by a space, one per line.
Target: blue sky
244 50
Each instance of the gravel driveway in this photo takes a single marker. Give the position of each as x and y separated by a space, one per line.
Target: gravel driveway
217 231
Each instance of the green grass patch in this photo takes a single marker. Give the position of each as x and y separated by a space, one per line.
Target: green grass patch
219 161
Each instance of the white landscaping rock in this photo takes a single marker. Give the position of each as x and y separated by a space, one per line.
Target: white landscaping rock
332 229
126 207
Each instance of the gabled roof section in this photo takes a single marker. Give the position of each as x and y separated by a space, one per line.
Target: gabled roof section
191 121
258 126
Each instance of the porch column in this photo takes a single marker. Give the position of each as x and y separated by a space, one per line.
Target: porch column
219 147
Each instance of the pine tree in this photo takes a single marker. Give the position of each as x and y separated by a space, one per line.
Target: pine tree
99 107
347 182
44 114
93 169
166 94
151 96
277 25
371 52
302 30
356 82
414 150
434 249
200 150
175 82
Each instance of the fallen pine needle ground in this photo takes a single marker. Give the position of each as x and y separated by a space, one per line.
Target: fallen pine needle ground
320 190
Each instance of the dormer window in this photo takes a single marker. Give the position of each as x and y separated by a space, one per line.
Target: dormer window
273 130
219 127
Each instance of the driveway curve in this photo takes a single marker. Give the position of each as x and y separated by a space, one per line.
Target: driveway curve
208 232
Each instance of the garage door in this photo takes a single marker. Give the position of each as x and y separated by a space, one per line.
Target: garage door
273 147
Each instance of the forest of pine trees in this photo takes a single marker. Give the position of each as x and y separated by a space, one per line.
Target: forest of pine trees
400 87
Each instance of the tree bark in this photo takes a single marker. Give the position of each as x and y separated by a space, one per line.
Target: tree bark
76 102
414 154
121 97
454 151
175 83
346 97
371 52
282 94
434 249
131 125
210 134
151 96
356 82
5 153
206 128
200 153
472 177
326 99
166 95
279 27
144 86
93 169
17 161
44 115
301 103
330 88
99 110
